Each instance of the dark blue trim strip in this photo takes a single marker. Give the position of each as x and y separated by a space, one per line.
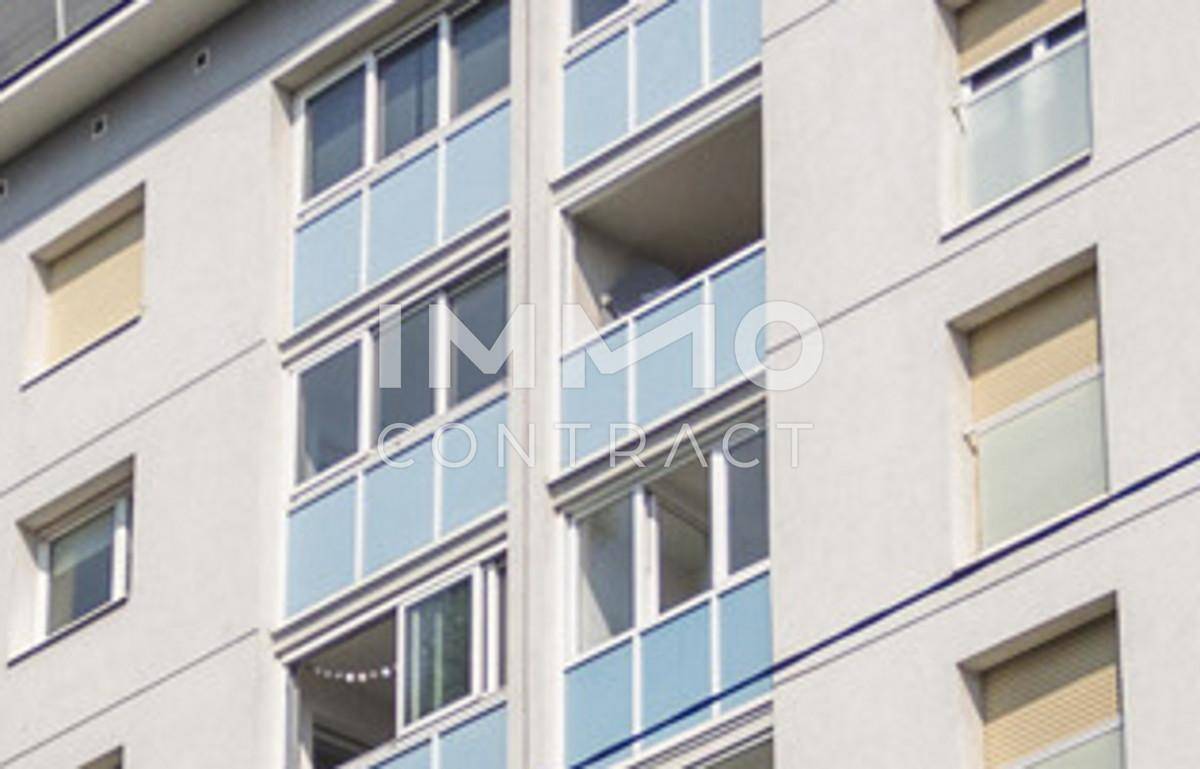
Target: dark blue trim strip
874 619
53 50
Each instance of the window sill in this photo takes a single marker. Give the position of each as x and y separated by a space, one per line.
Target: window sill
989 209
103 339
67 630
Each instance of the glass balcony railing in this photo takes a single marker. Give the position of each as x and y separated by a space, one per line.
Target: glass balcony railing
653 59
1102 751
1044 461
397 215
644 389
708 647
1026 128
481 742
29 29
388 511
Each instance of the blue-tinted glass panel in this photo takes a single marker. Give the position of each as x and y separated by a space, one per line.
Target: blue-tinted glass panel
481 743
417 758
1028 127
735 293
335 132
601 402
399 508
321 548
597 99
676 672
477 171
408 91
600 705
668 53
481 56
403 216
736 34
328 254
479 486
665 378
745 640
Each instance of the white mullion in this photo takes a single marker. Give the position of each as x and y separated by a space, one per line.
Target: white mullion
719 517
709 319
705 43
646 534
400 672
442 352
478 630
571 610
120 566
631 78
714 648
493 641
445 71
631 381
371 143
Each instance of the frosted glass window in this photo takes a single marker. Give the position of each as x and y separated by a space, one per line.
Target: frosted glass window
683 509
328 413
747 502
605 579
588 12
335 132
483 308
404 360
1043 462
481 53
81 570
676 671
438 649
408 91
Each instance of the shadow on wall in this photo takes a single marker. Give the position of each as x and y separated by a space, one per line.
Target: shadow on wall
153 106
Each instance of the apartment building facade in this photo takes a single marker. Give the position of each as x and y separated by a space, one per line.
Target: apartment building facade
852 423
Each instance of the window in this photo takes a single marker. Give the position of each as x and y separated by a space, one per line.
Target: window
400 353
438 640
83 561
402 85
1037 398
1025 112
111 760
683 512
1057 705
92 282
335 132
481 55
589 12
328 413
419 657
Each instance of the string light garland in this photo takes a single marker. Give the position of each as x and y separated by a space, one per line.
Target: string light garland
353 676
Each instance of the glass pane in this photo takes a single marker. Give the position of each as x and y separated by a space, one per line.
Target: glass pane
321 548
327 260
735 293
328 413
676 671
398 519
408 91
745 640
483 309
480 485
597 99
420 757
1027 127
1042 463
477 183
669 58
736 34
749 533
405 394
588 12
600 705
403 216
81 570
682 504
605 600
481 61
481 743
1100 752
335 132
665 378
438 642
602 401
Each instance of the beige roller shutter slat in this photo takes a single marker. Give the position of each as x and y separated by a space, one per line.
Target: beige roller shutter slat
94 288
1051 693
987 28
1035 345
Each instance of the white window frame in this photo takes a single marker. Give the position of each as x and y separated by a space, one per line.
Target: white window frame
118 501
375 163
646 611
367 340
485 647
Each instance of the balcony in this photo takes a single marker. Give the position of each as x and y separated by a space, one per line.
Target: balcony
648 59
1026 127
